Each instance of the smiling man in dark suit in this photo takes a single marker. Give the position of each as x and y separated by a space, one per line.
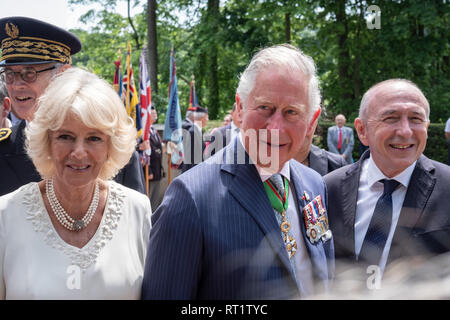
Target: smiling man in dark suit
225 228
394 202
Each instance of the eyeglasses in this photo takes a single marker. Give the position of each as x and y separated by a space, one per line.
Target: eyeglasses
28 75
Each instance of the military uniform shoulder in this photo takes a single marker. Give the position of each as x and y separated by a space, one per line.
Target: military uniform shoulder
5 133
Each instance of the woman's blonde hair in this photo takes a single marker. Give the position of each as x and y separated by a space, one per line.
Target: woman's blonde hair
94 101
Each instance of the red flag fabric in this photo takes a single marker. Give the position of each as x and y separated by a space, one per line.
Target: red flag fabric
145 95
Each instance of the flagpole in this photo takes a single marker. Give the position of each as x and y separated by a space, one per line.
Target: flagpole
128 79
172 126
170 167
146 180
169 161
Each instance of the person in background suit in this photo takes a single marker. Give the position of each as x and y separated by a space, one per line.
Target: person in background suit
362 147
188 121
217 234
316 158
5 107
193 143
340 139
27 75
227 120
394 202
155 172
221 137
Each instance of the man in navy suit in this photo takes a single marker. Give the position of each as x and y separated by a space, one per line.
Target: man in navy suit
393 121
27 74
216 234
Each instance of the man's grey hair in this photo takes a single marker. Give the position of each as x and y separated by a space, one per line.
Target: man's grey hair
284 56
367 98
190 115
199 115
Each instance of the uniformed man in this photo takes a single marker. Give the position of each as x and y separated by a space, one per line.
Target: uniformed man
34 51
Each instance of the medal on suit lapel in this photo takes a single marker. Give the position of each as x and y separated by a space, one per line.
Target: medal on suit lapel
305 196
316 222
280 205
4 133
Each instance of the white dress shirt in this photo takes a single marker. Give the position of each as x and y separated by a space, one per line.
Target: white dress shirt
14 119
370 189
8 123
234 131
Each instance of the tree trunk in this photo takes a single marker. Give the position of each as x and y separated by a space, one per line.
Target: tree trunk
152 44
213 19
287 26
356 74
345 78
135 35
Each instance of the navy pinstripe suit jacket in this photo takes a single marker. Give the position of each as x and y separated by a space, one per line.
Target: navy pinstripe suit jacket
215 236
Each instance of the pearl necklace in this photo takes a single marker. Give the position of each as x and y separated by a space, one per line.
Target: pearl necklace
63 217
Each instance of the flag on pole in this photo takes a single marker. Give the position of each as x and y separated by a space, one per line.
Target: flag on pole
117 83
193 100
146 99
145 95
172 125
131 98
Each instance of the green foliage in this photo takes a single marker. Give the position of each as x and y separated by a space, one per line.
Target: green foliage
436 148
412 43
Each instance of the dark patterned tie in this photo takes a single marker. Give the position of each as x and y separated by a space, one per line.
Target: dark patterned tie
379 226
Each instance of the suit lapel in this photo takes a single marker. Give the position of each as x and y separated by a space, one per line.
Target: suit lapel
154 135
333 135
419 189
247 188
349 196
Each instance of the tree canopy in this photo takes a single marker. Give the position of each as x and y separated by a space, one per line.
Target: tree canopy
214 40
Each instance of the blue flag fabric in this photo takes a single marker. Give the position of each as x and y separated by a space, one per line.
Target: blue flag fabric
172 125
131 97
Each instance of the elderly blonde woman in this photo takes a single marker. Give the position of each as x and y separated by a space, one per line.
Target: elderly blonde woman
76 234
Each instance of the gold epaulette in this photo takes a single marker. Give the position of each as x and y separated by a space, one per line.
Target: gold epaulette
5 133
